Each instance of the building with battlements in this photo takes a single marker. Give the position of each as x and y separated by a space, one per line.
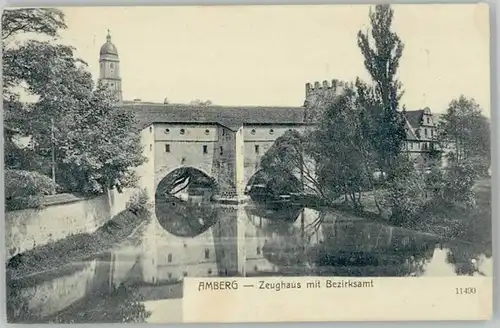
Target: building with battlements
226 142
420 124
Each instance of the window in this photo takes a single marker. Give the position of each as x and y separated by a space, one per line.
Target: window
221 150
185 245
169 258
169 275
271 131
258 250
207 131
167 131
253 131
207 253
256 268
257 149
167 148
111 65
150 129
428 120
425 132
183 131
209 271
185 274
205 149
150 147
223 132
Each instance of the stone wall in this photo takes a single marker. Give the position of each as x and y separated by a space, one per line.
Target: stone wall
183 145
62 216
53 295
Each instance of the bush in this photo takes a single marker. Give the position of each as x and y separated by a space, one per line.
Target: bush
405 195
453 186
139 202
24 189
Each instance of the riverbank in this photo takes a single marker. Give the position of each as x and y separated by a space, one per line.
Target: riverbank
473 225
76 247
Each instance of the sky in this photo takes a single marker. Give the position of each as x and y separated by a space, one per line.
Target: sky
264 55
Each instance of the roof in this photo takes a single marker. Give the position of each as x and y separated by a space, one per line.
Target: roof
410 134
108 48
414 117
230 116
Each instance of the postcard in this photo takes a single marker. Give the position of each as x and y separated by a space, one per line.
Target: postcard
183 164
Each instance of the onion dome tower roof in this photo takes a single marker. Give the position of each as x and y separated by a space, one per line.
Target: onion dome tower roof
108 48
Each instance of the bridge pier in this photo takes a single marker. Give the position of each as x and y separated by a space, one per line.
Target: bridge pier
229 241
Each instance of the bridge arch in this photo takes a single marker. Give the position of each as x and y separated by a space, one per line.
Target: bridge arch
165 171
261 179
182 202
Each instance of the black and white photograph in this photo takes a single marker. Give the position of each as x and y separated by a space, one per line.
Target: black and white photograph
147 145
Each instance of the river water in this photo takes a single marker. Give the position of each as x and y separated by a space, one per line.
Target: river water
141 279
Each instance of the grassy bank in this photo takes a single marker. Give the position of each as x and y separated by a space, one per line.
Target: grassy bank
456 222
472 225
76 247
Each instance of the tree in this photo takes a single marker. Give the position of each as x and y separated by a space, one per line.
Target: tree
466 130
454 186
24 189
294 155
45 21
384 125
94 143
406 194
44 69
344 156
98 146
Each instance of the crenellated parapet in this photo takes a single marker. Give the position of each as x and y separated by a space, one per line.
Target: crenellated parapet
324 88
319 95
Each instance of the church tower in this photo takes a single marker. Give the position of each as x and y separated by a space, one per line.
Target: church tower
109 67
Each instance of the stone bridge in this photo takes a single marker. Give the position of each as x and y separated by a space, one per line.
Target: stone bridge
223 143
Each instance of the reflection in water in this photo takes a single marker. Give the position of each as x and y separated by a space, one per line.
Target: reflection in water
142 279
183 205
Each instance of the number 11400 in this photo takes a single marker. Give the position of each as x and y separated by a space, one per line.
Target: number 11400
465 291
